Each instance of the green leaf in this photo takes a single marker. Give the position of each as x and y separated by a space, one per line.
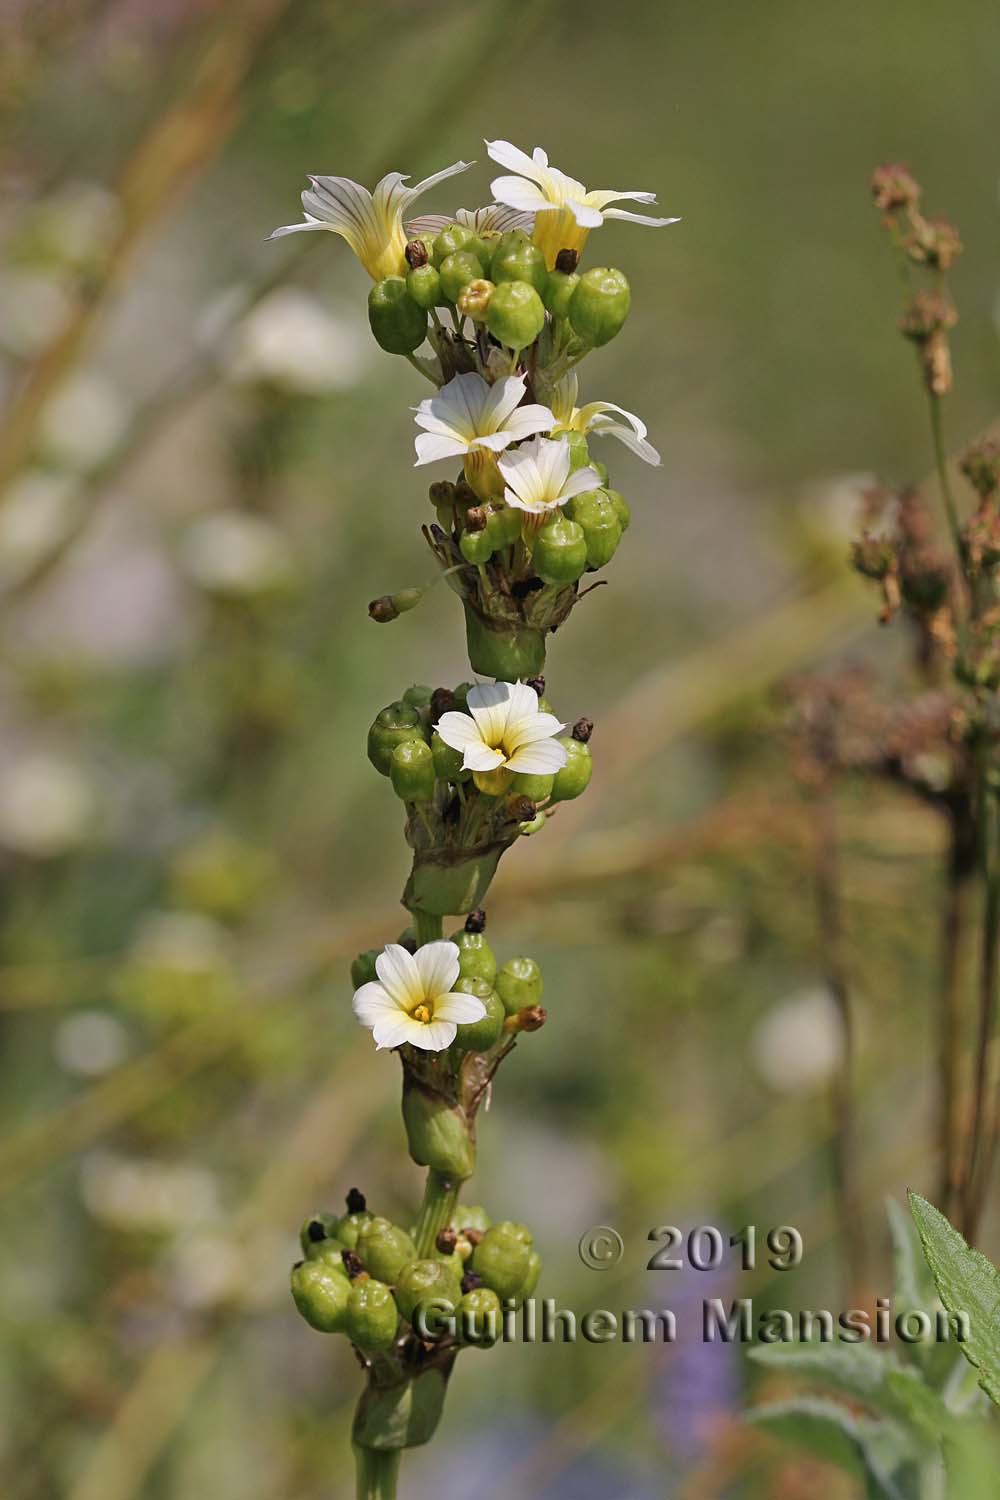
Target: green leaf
864 1449
967 1283
878 1380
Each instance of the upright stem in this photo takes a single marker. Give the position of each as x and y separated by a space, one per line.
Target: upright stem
429 928
941 465
377 1471
960 865
440 1197
982 1134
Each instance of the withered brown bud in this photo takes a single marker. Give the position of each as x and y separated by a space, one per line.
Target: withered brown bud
531 1018
927 314
442 702
416 254
476 920
567 261
933 242
447 1240
437 535
520 809
472 1235
471 1282
442 492
583 729
383 609
476 518
409 943
538 683
873 556
356 1201
465 495
894 187
981 467
352 1264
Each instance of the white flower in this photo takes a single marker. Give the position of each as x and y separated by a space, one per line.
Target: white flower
414 1000
469 413
565 212
503 733
538 477
371 223
495 218
592 419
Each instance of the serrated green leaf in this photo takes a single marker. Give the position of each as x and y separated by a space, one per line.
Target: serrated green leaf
967 1283
914 1285
864 1449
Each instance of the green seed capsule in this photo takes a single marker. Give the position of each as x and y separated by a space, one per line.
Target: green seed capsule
363 968
425 1281
438 1135
520 262
579 454
602 470
476 546
503 525
479 1036
447 762
411 771
476 959
395 725
399 325
599 305
449 241
519 984
316 1230
372 1316
560 552
621 509
479 1318
461 695
457 271
384 1249
471 1216
595 512
531 1277
350 1226
502 1259
559 288
321 1294
574 777
424 286
516 315
536 787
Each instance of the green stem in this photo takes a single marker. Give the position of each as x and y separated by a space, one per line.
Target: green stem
941 465
429 928
440 1198
377 1470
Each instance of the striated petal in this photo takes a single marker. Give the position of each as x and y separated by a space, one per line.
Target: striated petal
372 1003
501 400
489 705
431 446
399 976
541 727
459 1008
432 1036
579 482
526 421
392 1031
276 234
437 964
621 213
505 154
540 759
458 730
526 197
481 757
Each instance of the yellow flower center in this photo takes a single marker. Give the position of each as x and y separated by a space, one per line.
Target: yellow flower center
423 1013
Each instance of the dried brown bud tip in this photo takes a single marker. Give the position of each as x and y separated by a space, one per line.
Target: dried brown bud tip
476 920
416 254
538 683
475 518
471 1282
567 261
383 609
352 1264
927 314
472 1235
442 702
442 492
893 186
531 1018
356 1201
583 729
981 467
520 809
447 1240
465 495
316 1231
409 943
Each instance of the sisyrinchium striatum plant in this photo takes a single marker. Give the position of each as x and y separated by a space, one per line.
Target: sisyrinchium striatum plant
494 308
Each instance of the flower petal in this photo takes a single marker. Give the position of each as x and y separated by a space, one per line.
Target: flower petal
585 215
540 759
436 177
431 446
438 967
392 1031
372 1003
481 757
489 704
507 155
434 1036
399 975
459 1008
620 213
526 421
458 730
502 399
276 234
541 727
579 482
521 195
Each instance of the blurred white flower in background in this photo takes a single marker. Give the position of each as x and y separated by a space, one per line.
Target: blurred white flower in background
83 422
34 304
799 1043
90 1043
72 226
181 940
140 1193
293 341
48 805
206 1269
832 508
39 509
235 553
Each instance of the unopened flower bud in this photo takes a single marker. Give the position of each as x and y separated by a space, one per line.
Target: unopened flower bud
503 523
391 606
363 968
424 286
384 1249
531 1018
474 299
574 777
476 959
351 1224
424 1282
447 1240
594 511
531 826
321 1294
372 1316
502 1258
456 271
396 725
532 1274
559 554
438 1135
537 787
516 314
398 323
411 771
519 984
479 1036
317 1231
417 254
599 305
450 240
519 261
579 453
476 547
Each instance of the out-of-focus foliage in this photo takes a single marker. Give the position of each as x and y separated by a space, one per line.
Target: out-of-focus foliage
201 464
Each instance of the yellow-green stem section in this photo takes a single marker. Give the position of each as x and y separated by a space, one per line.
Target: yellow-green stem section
440 1199
377 1471
428 927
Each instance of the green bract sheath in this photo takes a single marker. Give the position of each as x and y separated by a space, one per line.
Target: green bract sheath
447 883
439 1134
506 651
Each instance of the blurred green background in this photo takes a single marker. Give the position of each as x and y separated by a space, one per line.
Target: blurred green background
206 476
